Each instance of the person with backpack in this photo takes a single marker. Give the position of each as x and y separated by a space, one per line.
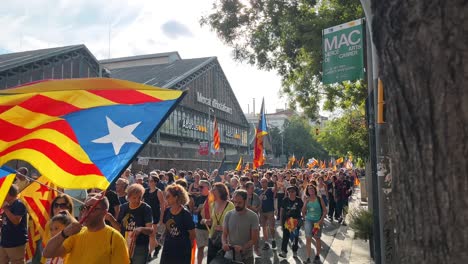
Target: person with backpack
314 212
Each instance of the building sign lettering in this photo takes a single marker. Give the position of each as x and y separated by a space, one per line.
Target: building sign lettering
232 135
213 103
191 126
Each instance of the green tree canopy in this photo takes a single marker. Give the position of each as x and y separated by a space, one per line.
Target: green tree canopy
346 134
286 36
298 140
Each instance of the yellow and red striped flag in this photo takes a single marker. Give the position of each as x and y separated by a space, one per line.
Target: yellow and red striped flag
81 133
239 164
260 132
312 163
38 200
33 238
7 176
216 138
339 161
322 165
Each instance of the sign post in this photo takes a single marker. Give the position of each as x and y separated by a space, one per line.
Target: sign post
343 56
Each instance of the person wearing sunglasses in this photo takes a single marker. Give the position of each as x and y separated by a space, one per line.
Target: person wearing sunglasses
61 203
92 242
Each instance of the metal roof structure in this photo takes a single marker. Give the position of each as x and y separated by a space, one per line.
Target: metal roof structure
140 57
12 60
162 75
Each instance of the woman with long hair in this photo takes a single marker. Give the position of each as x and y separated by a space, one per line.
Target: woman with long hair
314 211
218 210
180 229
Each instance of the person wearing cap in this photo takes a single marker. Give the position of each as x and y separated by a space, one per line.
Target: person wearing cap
291 208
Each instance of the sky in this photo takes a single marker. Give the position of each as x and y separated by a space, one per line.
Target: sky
136 27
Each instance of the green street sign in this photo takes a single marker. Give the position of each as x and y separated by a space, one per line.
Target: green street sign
343 52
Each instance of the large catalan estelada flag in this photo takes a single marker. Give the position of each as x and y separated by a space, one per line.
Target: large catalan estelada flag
81 133
7 176
260 132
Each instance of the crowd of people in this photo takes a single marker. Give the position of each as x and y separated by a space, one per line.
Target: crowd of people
168 212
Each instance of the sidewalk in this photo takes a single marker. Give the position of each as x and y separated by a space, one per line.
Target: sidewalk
343 247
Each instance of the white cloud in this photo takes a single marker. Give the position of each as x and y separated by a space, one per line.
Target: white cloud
136 28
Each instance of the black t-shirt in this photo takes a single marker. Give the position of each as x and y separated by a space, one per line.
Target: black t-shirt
177 242
268 201
291 208
113 200
15 235
271 183
161 186
200 200
152 199
122 199
133 218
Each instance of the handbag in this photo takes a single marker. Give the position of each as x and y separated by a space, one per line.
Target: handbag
216 238
220 259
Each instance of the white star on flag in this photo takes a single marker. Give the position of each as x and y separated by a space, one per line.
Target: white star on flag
118 136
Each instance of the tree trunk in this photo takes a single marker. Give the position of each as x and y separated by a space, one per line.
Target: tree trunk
422 48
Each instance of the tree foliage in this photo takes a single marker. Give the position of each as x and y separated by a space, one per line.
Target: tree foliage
286 35
345 134
298 140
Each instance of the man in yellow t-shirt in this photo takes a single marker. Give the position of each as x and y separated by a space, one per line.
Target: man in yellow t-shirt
95 242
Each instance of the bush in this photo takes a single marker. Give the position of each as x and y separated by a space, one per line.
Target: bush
361 221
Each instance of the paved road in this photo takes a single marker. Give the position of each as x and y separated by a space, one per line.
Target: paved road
329 233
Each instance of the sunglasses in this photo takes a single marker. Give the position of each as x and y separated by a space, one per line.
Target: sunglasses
61 205
87 207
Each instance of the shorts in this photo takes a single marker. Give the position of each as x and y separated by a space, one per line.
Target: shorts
202 237
309 226
267 218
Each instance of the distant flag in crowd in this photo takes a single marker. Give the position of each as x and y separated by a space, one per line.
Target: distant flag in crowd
216 138
239 164
339 161
349 165
291 162
7 176
334 168
357 182
247 166
312 163
260 132
301 162
323 165
81 133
